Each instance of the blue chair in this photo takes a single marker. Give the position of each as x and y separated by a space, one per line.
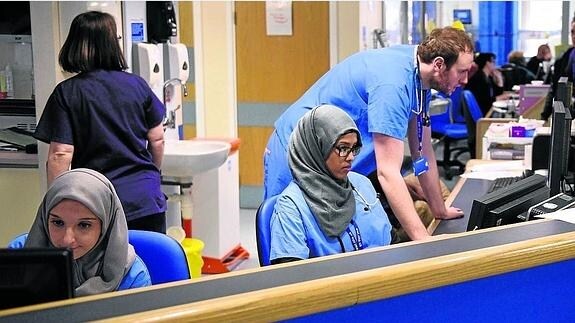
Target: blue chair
445 128
457 114
164 256
472 113
263 229
472 106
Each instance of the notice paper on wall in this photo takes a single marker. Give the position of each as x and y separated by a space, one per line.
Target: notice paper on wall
279 18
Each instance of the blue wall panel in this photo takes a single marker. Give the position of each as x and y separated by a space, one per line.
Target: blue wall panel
497 29
540 294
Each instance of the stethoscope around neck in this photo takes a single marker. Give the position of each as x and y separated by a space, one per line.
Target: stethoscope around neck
368 205
421 109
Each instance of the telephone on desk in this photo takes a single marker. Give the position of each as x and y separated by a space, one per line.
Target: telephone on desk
558 202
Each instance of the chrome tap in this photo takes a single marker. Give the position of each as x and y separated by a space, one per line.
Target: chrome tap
170 120
170 81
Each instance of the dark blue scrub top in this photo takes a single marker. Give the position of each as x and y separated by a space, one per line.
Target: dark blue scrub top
106 116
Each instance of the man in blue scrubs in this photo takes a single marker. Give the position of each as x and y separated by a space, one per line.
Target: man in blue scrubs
386 92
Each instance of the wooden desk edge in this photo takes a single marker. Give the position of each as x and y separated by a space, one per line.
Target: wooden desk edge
346 290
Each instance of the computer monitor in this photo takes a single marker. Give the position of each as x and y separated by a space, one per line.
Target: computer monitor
564 93
516 210
560 145
480 216
35 275
463 15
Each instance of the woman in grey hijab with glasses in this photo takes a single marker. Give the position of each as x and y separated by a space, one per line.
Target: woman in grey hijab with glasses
326 209
81 211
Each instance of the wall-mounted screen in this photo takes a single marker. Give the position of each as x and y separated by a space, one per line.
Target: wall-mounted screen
463 15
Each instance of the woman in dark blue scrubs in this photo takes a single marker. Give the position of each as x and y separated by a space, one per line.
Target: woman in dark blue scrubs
107 120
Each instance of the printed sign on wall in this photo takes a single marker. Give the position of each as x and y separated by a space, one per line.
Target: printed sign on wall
279 18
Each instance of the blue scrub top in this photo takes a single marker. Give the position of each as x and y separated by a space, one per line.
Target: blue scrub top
296 234
377 88
106 116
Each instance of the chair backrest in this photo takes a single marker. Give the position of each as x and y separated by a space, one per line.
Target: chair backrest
164 256
457 115
472 106
263 229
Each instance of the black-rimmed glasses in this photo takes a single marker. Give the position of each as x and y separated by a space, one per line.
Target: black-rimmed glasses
344 151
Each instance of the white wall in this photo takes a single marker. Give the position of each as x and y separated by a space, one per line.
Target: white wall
370 18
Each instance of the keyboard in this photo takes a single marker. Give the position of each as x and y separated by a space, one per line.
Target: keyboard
502 182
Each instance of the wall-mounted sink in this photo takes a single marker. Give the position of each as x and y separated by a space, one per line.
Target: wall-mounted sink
185 158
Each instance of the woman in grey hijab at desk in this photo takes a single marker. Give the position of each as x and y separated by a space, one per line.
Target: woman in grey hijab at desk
81 211
326 209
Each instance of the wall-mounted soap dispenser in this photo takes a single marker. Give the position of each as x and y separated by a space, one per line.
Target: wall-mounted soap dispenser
148 64
177 63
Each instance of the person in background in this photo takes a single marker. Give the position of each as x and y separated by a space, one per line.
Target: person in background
563 66
386 92
326 209
107 120
515 72
536 63
487 83
81 211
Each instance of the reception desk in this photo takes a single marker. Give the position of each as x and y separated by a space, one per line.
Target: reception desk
518 267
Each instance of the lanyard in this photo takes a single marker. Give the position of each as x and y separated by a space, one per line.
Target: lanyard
357 243
421 119
421 102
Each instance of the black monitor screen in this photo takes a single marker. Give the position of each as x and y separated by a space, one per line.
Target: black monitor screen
34 275
481 216
463 15
515 210
15 18
560 138
564 93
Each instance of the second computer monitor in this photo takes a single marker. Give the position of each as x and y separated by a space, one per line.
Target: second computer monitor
35 275
481 215
560 145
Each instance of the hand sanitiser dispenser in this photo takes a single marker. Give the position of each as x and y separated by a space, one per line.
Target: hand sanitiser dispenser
178 65
148 63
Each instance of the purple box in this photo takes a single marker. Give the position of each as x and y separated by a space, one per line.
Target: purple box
517 131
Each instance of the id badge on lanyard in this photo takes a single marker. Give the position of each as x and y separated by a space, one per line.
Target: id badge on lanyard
420 165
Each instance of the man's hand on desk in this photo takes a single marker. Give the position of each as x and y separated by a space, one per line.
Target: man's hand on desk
450 214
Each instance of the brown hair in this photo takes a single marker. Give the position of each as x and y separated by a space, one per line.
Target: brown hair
481 59
516 57
92 44
446 42
543 49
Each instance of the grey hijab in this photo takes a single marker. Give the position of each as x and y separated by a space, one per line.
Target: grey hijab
102 268
330 200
